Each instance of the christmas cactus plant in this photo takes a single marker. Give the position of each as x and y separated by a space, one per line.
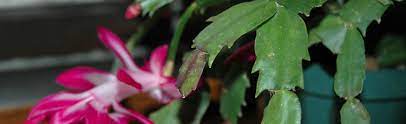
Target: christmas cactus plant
267 43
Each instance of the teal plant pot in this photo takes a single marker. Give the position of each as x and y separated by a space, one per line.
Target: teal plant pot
384 96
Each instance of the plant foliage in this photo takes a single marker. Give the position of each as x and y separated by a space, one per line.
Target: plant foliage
281 44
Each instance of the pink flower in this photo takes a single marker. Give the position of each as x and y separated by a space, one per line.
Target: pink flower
95 100
94 96
133 11
150 76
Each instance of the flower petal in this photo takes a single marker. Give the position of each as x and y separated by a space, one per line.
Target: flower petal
114 43
139 79
158 59
83 78
166 92
57 119
133 11
133 114
49 105
98 117
60 117
123 76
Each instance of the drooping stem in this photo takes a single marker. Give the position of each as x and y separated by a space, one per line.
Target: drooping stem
177 37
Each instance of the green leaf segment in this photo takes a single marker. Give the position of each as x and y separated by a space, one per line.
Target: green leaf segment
233 98
350 75
280 46
362 12
190 72
353 112
283 108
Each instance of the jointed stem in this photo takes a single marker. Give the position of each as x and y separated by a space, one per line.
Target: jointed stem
177 36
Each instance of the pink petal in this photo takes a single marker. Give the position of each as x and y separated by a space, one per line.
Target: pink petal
139 79
133 114
97 117
133 11
158 59
75 112
49 105
56 119
83 78
146 66
166 92
61 118
158 95
123 76
114 43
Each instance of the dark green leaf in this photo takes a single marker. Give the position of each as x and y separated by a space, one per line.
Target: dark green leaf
231 24
190 71
280 46
362 12
232 99
283 108
150 6
353 112
207 3
350 73
332 31
204 104
167 114
301 6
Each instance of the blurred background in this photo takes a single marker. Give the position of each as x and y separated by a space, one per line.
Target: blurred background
41 38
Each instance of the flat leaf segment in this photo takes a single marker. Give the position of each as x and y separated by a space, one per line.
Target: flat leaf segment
353 112
233 98
280 46
283 108
190 72
350 75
